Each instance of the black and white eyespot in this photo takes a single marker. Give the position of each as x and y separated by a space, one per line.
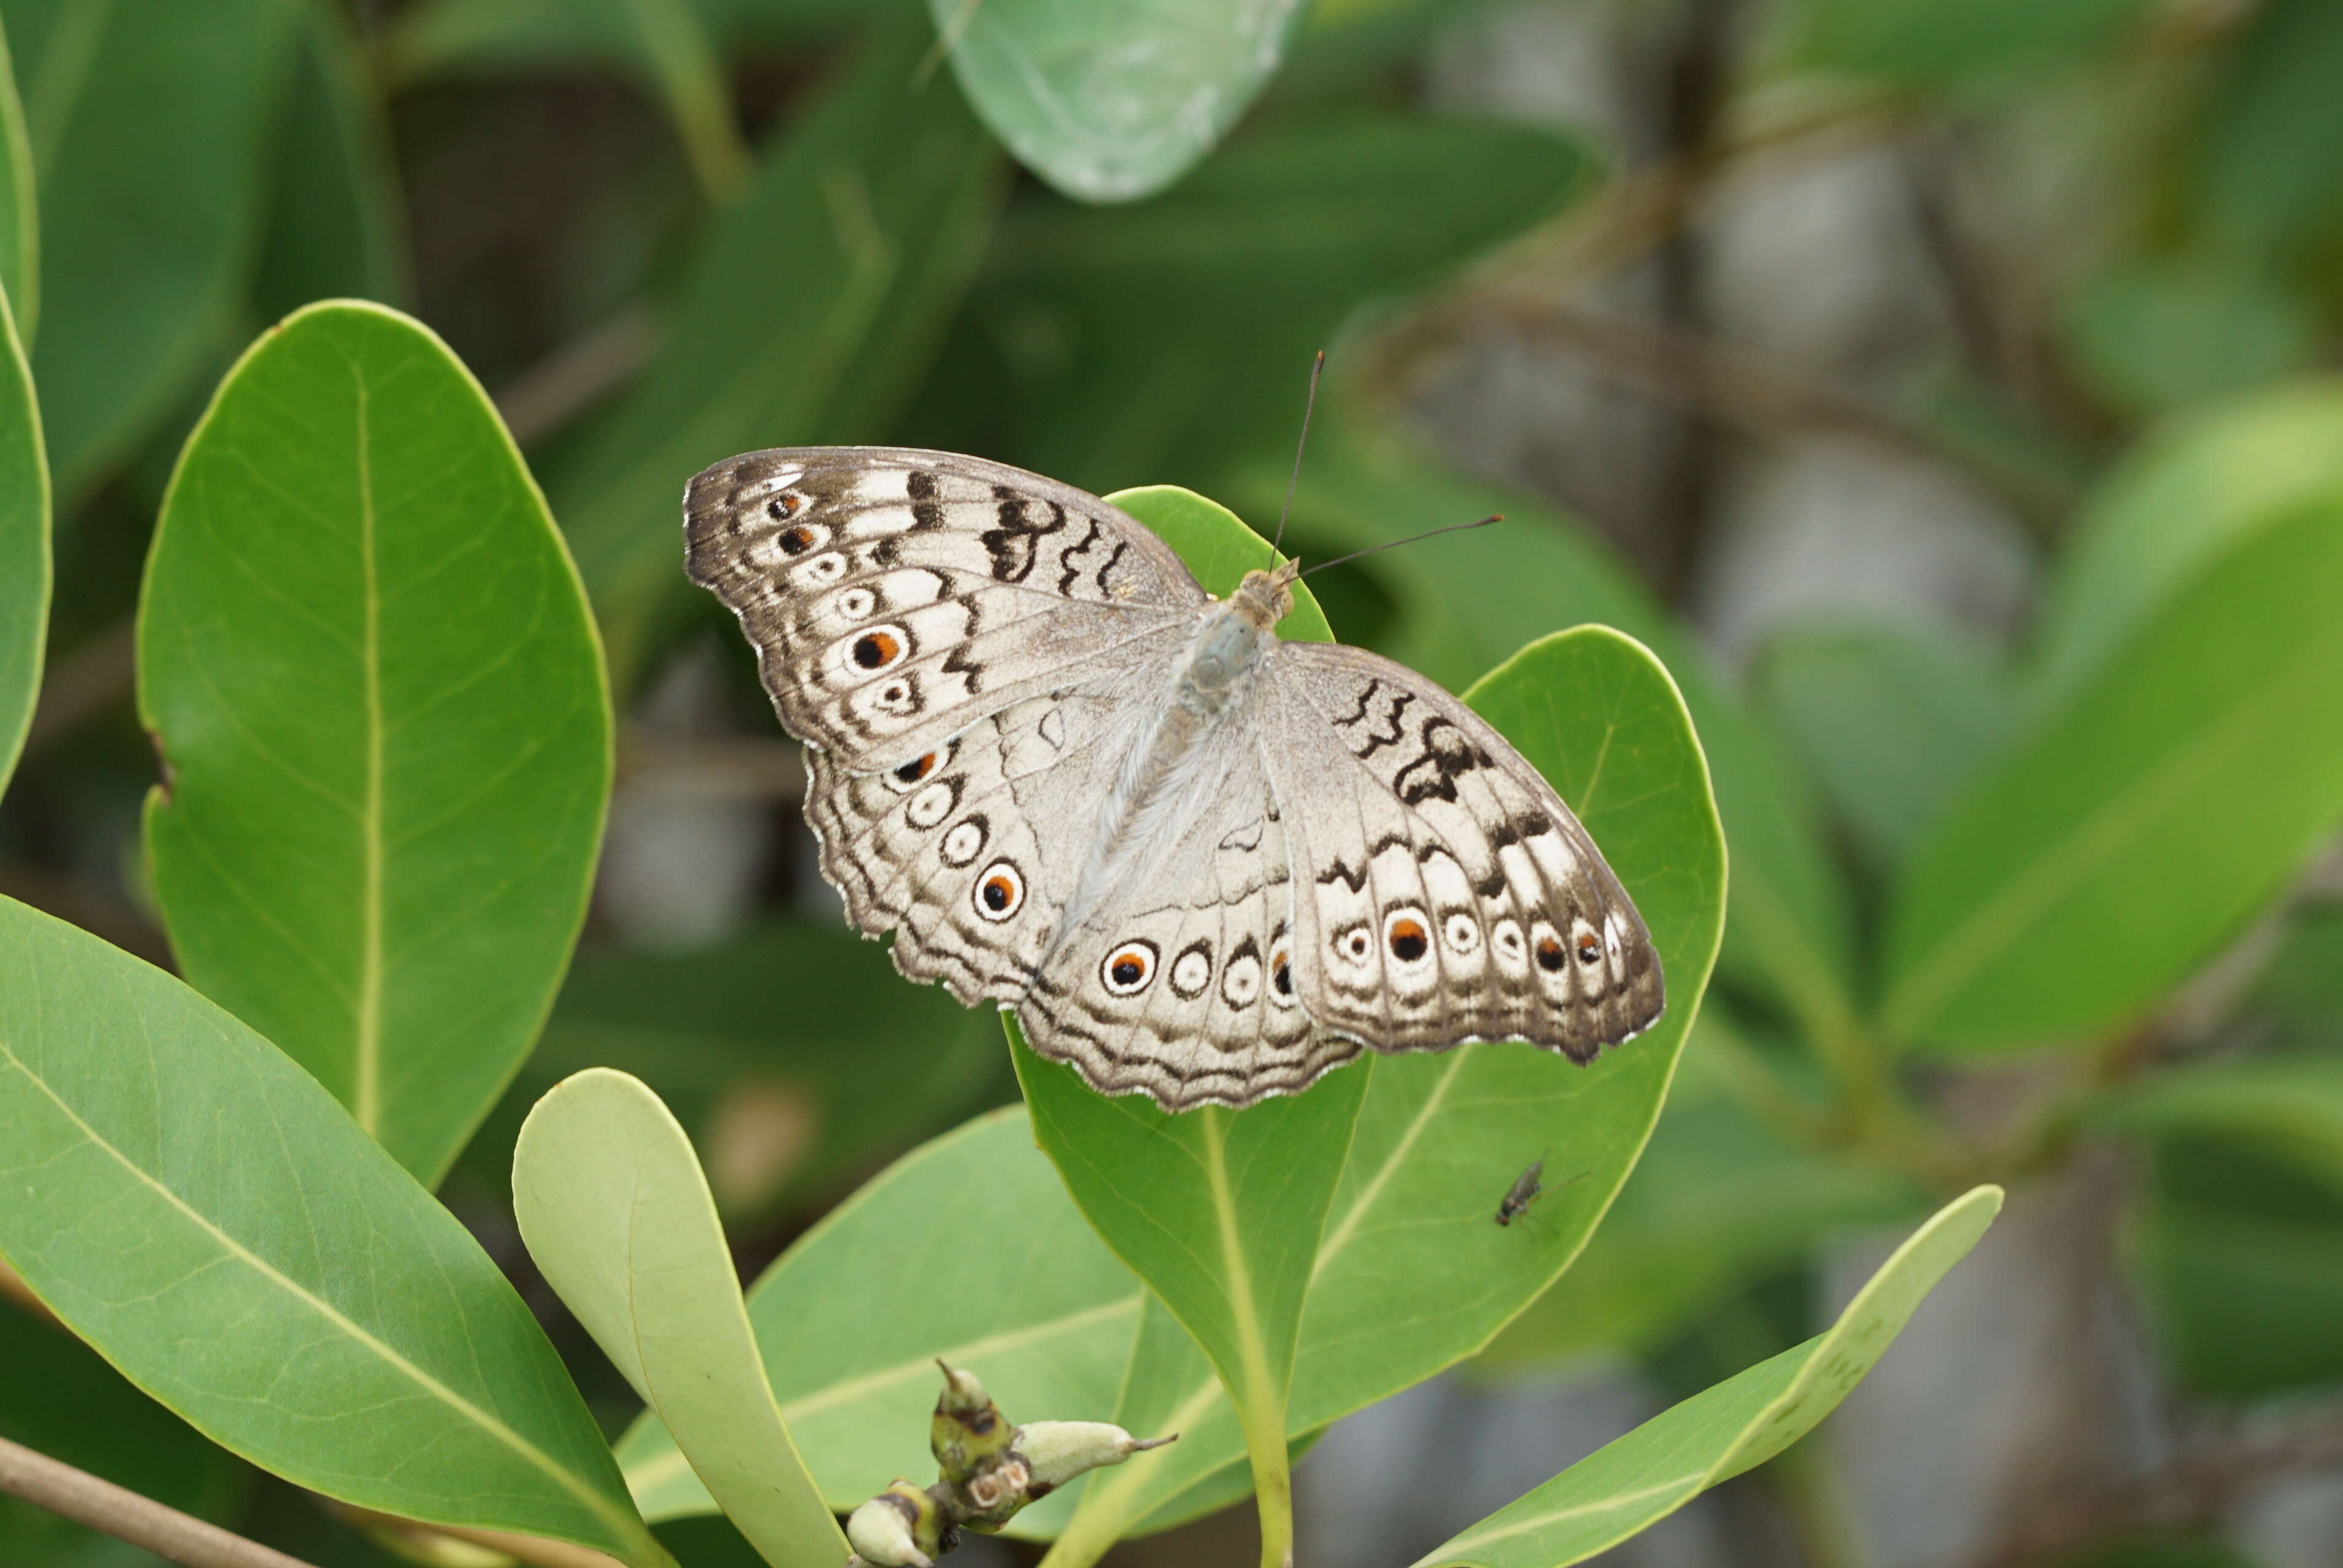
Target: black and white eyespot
1585 943
1000 891
1546 943
820 571
792 542
1407 936
1461 931
905 777
1241 981
1512 949
1191 971
898 695
1281 976
781 508
855 603
934 803
882 647
1129 969
965 842
1355 944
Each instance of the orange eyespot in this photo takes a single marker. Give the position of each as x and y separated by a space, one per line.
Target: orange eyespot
917 768
782 508
877 650
797 540
1128 969
1000 892
1550 955
1589 949
1281 975
1408 939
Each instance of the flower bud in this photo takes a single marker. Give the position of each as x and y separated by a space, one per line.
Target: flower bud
1058 1450
900 1528
968 1429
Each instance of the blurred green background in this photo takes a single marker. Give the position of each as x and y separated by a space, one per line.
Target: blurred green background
1944 388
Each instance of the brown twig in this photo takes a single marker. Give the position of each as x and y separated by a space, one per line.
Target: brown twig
84 1499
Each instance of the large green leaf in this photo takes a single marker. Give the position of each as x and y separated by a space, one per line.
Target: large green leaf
2188 496
1633 1484
611 1203
386 739
1890 721
809 311
967 1248
2161 807
20 218
2271 165
1113 102
150 121
24 563
193 1204
1941 44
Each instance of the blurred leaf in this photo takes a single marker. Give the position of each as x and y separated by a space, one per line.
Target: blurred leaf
2154 336
2184 498
334 228
1633 1484
293 1294
967 1248
812 308
2271 152
660 42
1716 1200
149 123
1469 600
25 556
1940 43
2288 1109
2303 990
20 220
57 1396
804 1012
385 735
2243 1263
1892 721
1113 102
1166 338
2161 1552
610 1200
2103 861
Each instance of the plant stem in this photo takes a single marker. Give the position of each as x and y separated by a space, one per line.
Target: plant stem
84 1499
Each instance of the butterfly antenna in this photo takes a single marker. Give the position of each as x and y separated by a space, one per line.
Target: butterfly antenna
1307 405
1411 539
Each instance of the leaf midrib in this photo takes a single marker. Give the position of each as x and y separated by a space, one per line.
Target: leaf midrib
366 1093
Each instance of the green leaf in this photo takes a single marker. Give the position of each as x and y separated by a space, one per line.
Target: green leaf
2174 507
149 129
2270 170
1173 337
611 1203
20 218
1633 1484
810 312
1941 44
382 716
1469 600
2241 1260
334 227
2156 336
2103 861
920 1263
661 42
2287 1109
1112 103
1891 720
25 563
194 1206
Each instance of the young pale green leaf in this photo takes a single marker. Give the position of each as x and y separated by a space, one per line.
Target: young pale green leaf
1469 600
967 1249
1412 1272
1891 720
334 228
1663 1464
381 712
807 317
194 1206
611 1203
1111 102
2162 806
20 218
2174 507
149 130
25 565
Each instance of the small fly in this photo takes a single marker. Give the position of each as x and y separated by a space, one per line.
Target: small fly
1521 1194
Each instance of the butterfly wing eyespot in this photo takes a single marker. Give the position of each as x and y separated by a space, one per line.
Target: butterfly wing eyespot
1463 933
1129 969
1404 935
1281 976
882 647
1000 891
1550 954
781 508
1191 971
1590 948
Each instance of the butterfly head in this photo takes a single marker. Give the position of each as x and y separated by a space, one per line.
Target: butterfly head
1264 598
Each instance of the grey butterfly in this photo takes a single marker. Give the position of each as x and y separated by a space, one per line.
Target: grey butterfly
1199 862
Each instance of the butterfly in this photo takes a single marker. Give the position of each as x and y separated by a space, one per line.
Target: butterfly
1198 862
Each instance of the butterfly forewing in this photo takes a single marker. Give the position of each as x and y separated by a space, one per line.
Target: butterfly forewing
1342 857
